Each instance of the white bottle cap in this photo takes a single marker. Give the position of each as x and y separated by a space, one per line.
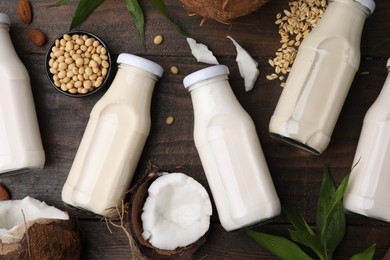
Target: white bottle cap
388 63
5 19
204 74
140 63
370 4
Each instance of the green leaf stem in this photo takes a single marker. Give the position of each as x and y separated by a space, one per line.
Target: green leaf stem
160 6
330 213
298 221
136 12
83 10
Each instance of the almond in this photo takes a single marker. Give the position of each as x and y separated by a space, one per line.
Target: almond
24 10
36 36
4 193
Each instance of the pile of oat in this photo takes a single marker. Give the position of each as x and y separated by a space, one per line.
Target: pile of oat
294 25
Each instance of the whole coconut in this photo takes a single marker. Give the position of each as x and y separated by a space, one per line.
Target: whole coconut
222 10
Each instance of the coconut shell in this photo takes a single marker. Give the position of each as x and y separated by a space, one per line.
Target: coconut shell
222 10
137 201
56 240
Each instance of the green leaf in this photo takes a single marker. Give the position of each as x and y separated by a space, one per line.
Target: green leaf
279 246
306 239
330 213
367 254
298 221
327 190
83 10
59 3
160 6
136 12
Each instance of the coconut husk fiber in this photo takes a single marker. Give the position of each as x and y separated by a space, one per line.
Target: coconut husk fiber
222 10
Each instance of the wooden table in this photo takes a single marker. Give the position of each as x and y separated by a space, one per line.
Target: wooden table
297 175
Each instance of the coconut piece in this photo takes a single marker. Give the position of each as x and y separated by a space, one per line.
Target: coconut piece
246 65
31 229
176 213
201 52
144 247
16 215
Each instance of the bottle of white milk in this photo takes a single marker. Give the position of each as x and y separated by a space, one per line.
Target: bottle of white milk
368 187
114 138
20 141
321 76
230 151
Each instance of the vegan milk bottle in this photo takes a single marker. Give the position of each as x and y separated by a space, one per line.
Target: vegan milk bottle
321 76
230 151
20 141
114 138
368 187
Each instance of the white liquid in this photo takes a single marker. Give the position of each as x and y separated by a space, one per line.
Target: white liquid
320 78
368 187
231 156
112 143
20 141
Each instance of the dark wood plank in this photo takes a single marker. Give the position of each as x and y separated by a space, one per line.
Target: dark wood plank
296 174
103 244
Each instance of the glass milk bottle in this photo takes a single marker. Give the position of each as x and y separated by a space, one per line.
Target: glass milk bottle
368 187
230 151
321 76
20 141
114 138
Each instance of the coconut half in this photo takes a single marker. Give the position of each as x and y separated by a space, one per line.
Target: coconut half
30 228
175 211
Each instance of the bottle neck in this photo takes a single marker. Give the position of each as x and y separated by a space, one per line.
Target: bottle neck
385 92
7 50
352 4
132 85
344 17
4 26
213 94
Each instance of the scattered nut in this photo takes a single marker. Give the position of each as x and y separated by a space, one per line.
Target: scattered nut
24 11
174 70
169 120
79 63
4 193
36 36
158 39
294 25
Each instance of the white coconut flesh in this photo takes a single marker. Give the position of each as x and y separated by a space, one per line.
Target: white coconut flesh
18 215
246 65
201 52
176 212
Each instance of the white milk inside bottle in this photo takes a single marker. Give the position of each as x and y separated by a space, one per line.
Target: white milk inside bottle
368 187
20 141
321 76
114 138
230 152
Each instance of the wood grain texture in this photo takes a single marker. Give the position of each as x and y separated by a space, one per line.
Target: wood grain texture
297 175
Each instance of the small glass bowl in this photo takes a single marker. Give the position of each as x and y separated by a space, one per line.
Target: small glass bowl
88 90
